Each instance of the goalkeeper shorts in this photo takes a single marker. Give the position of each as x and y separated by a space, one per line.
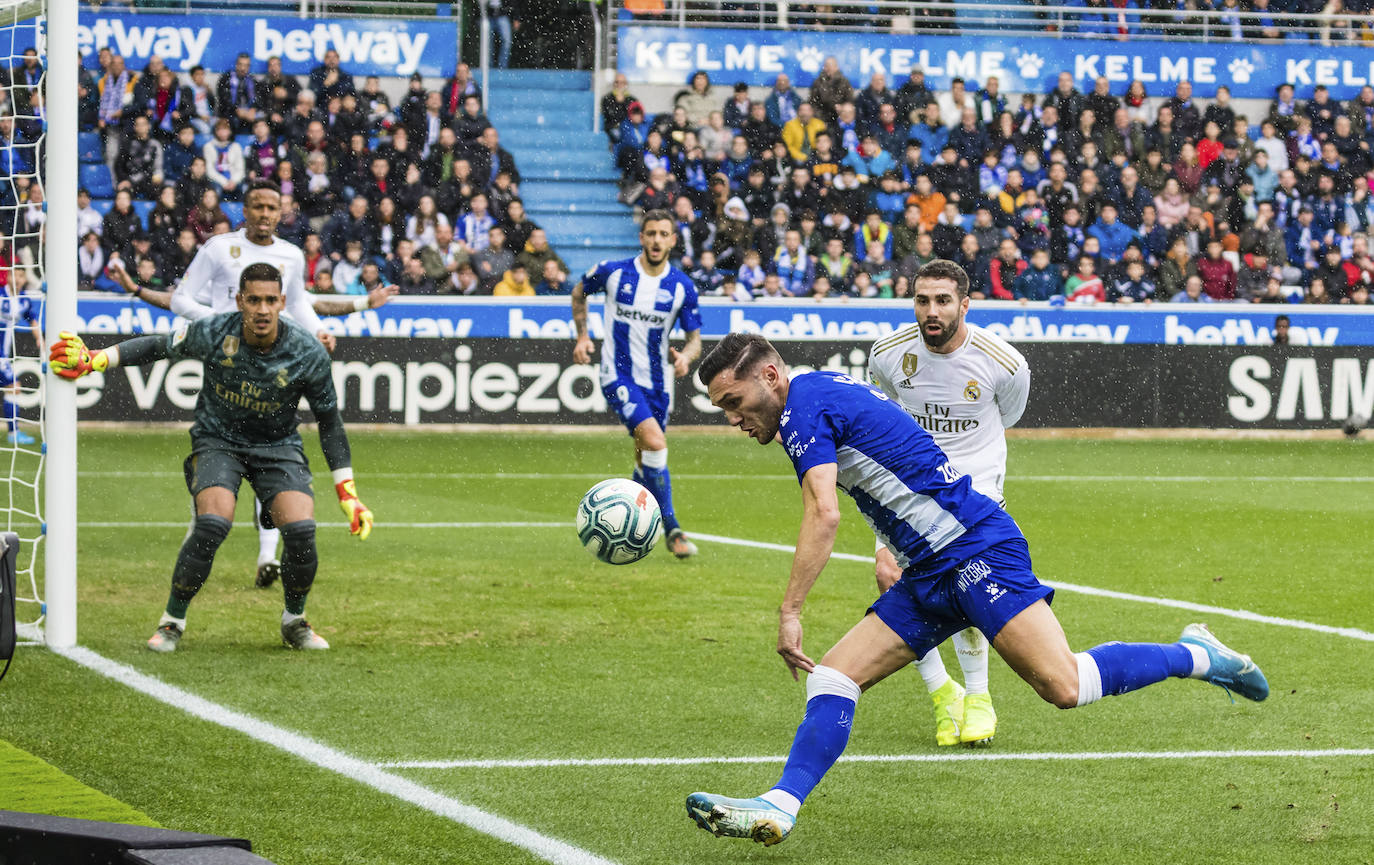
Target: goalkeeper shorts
269 470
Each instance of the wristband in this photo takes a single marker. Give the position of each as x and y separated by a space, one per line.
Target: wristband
343 474
361 304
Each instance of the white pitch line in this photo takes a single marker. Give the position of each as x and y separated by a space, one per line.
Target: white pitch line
1246 615
514 524
967 756
325 757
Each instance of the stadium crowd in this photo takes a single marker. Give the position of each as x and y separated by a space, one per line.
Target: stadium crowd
1095 196
420 194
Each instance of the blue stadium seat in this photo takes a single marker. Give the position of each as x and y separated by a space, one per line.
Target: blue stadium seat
89 148
143 209
244 140
233 210
102 205
97 179
201 140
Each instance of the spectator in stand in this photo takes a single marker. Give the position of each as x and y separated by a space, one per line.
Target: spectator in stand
1331 271
554 281
782 103
515 282
1066 100
236 95
872 97
878 268
90 261
458 88
517 226
697 99
1038 281
1133 286
116 94
329 79
1085 286
913 96
707 278
930 133
870 161
536 253
1317 293
975 263
1252 283
828 90
737 108
759 131
751 271
120 224
88 219
715 137
799 133
490 157
263 154
837 265
420 226
140 160
474 227
224 163
1218 276
492 262
953 102
1003 268
873 230
793 267
414 280
1192 292
205 219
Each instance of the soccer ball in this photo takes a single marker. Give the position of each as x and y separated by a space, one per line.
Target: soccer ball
618 521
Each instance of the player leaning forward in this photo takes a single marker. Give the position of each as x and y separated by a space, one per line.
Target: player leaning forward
646 297
966 387
964 563
257 366
212 280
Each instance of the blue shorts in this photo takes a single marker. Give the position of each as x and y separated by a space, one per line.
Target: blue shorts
985 592
634 405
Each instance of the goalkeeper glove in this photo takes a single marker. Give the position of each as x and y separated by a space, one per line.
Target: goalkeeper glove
359 517
70 358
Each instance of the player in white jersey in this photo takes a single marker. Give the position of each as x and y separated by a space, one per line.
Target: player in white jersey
211 286
965 387
645 298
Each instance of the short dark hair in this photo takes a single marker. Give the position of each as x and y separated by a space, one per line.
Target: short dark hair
262 184
943 268
259 272
738 352
658 214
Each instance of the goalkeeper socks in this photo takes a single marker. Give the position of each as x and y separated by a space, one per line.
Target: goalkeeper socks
823 734
656 478
1112 669
11 415
194 561
298 564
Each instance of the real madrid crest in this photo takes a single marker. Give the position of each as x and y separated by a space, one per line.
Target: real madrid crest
909 364
972 391
282 380
235 251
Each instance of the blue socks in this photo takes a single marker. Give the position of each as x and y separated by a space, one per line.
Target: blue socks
11 415
823 733
655 477
1126 667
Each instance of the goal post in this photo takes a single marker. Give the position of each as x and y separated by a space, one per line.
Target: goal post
59 52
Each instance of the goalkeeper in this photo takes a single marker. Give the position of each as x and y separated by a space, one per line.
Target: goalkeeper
257 367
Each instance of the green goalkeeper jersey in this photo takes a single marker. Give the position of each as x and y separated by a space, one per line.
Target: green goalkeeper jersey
249 397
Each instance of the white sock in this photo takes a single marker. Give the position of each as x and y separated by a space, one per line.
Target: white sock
267 545
288 618
972 650
1089 679
167 617
783 801
1202 663
932 669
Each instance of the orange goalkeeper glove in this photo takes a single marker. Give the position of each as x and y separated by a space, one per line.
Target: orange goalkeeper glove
70 358
359 517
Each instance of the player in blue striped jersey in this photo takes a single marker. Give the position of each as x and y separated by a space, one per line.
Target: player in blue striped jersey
964 563
646 297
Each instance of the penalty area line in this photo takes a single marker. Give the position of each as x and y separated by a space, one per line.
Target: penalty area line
1245 615
963 757
363 772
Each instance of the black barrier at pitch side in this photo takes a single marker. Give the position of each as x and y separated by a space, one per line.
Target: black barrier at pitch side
535 381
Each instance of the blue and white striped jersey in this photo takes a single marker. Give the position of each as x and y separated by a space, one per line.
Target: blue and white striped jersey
14 312
921 507
640 312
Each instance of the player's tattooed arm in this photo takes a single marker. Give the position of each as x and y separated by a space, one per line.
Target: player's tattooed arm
582 349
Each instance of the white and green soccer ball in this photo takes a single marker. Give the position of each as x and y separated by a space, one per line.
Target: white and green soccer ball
618 521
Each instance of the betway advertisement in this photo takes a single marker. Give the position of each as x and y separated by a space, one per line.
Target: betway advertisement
1022 62
509 381
371 46
866 321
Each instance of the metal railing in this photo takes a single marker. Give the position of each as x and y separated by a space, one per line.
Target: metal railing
1002 18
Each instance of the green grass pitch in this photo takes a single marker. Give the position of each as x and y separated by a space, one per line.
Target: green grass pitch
485 643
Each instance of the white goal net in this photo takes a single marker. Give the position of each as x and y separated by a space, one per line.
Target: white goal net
23 128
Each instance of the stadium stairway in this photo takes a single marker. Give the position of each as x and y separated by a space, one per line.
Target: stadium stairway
569 181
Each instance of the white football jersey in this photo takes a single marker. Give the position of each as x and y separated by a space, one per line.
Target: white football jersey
212 281
966 399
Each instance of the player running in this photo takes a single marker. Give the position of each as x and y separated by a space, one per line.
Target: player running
964 563
212 280
645 298
257 366
966 387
